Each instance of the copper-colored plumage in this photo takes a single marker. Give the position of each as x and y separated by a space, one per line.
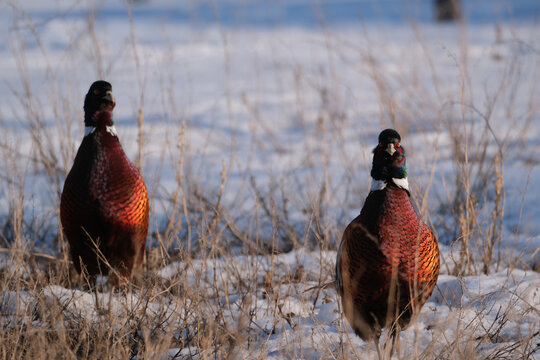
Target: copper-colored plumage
104 205
388 261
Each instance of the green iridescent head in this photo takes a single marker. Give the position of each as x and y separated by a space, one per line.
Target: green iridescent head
389 157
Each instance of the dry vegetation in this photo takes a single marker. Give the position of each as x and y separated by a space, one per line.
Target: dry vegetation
208 307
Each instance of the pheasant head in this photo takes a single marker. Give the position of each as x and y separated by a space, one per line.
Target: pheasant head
389 163
98 99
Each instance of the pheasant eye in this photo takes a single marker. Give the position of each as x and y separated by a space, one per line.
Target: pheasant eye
397 144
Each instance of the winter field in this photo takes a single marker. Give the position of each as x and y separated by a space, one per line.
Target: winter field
253 124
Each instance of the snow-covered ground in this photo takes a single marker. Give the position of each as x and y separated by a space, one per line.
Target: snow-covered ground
268 111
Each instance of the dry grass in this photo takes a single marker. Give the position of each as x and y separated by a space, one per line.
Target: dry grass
211 304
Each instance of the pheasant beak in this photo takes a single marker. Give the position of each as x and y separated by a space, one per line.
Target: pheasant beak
391 149
107 101
108 97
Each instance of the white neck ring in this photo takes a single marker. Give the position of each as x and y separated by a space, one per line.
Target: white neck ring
381 184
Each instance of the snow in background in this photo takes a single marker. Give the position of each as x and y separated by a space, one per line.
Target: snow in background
283 94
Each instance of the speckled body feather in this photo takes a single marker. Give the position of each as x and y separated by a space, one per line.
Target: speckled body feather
105 202
387 264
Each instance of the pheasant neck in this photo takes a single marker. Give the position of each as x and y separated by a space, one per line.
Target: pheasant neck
90 129
381 184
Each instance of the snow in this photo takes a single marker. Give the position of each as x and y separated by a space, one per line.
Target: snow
278 98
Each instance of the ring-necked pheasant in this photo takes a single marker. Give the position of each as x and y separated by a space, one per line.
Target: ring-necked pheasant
388 260
104 205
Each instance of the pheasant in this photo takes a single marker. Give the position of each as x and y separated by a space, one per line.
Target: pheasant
104 205
388 259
